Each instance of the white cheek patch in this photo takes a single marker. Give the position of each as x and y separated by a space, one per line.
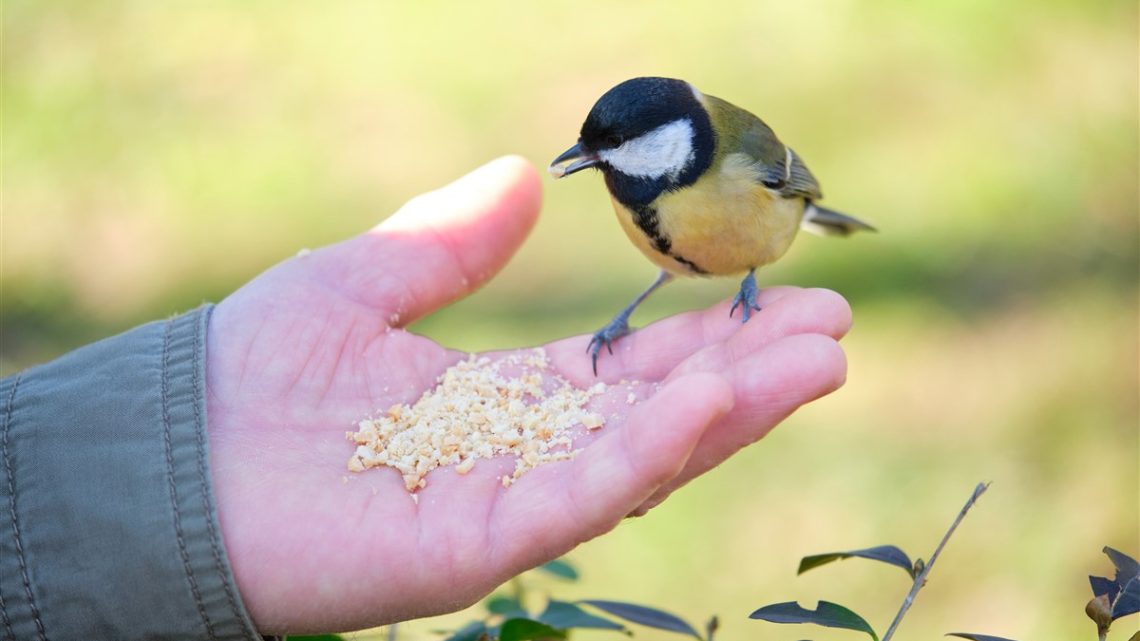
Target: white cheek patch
665 151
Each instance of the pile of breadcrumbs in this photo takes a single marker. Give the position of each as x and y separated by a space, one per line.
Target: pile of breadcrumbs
481 408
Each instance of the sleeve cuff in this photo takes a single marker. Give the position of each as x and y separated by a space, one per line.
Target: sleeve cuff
108 527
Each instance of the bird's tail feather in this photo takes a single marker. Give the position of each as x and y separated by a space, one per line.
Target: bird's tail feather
827 222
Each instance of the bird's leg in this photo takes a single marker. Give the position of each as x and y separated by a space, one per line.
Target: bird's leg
746 298
619 326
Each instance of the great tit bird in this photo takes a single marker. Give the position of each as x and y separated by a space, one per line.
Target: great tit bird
701 187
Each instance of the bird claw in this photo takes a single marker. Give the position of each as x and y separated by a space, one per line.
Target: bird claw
606 336
746 298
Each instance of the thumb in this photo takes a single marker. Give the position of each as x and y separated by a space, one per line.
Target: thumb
444 244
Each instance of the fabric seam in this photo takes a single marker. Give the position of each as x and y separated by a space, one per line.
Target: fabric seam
167 339
9 633
199 357
15 520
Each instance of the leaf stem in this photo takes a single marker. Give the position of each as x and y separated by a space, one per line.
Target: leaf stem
920 580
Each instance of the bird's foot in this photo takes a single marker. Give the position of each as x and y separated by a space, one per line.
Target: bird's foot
606 336
746 298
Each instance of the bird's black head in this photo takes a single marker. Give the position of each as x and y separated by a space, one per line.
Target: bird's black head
636 107
647 135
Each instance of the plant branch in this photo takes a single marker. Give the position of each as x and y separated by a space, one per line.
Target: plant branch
920 580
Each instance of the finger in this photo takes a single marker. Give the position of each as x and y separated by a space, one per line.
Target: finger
651 353
804 311
442 245
555 507
768 386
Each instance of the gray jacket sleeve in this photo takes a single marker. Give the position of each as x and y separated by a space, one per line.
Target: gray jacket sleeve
107 522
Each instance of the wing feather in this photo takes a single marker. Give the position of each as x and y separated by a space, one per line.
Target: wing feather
777 166
800 181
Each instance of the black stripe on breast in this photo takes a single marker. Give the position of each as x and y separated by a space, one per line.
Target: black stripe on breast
687 263
645 217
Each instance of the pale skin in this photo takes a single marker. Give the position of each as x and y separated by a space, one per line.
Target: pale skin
314 344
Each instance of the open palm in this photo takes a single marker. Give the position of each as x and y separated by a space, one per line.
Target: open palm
311 346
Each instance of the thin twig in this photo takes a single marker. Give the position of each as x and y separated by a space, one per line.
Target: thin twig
920 580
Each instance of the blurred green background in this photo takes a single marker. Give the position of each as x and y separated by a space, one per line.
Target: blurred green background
157 155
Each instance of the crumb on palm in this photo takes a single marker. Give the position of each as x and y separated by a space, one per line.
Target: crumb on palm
478 410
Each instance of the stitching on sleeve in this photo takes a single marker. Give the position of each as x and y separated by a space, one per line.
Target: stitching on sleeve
170 480
15 521
201 431
8 633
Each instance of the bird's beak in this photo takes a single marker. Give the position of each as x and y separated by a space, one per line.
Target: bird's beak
573 159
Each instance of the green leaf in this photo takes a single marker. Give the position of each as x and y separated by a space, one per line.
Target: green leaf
1123 591
1128 601
317 637
527 629
888 554
505 605
1102 585
643 615
827 614
977 637
1127 568
560 568
563 615
470 632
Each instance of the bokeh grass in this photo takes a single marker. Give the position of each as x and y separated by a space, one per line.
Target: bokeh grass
156 155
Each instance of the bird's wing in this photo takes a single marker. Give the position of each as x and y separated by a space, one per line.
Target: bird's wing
781 168
799 181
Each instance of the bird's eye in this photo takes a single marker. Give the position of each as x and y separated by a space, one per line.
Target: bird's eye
615 140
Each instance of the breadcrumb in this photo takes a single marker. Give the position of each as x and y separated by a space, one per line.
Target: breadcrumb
479 410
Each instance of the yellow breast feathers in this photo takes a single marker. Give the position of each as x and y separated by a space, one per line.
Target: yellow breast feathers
725 223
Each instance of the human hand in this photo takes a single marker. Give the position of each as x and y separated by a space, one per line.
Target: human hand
301 353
